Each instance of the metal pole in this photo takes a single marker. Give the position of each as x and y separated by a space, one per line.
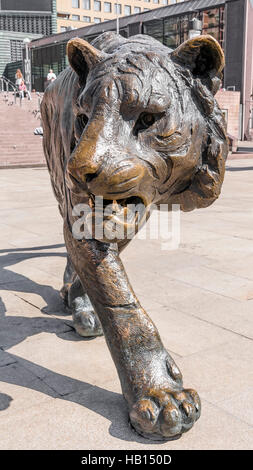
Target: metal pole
27 66
117 18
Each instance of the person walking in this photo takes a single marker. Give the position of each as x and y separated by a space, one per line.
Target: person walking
51 76
23 90
18 77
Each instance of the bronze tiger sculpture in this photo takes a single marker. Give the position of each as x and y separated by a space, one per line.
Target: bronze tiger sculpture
132 121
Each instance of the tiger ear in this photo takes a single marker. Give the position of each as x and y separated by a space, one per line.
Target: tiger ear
204 58
83 57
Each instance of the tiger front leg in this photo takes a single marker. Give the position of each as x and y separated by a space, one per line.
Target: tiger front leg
159 407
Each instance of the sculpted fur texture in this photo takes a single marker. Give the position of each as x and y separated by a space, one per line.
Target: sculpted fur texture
132 122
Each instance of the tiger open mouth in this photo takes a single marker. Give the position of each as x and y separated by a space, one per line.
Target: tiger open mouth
117 218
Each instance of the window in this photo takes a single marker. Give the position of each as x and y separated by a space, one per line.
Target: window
75 17
172 41
211 18
107 7
75 3
97 5
16 50
137 10
117 8
86 4
63 29
213 23
155 29
86 19
225 115
127 10
97 20
165 2
146 9
65 16
157 1
146 1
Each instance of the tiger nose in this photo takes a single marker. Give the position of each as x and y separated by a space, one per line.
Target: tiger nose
81 173
115 179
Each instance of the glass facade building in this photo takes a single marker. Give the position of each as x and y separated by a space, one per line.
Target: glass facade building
173 31
228 21
170 30
28 16
45 58
20 19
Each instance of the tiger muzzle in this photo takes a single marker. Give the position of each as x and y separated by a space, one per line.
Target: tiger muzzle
116 195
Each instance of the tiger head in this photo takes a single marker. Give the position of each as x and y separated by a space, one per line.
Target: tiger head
147 126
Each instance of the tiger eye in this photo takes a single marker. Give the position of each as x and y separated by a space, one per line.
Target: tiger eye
83 119
148 119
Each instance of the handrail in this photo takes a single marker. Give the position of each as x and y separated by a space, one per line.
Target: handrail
5 82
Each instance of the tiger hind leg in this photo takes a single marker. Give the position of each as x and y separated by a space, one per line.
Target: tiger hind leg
85 319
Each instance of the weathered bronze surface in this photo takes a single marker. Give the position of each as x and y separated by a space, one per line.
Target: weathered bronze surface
131 120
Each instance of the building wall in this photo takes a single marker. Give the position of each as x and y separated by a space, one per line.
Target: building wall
66 13
234 44
248 75
238 72
230 22
32 16
54 17
229 102
20 19
5 50
6 54
26 5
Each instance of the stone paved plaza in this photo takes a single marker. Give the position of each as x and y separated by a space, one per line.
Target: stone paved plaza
59 391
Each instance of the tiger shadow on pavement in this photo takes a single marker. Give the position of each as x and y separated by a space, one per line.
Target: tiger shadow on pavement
15 329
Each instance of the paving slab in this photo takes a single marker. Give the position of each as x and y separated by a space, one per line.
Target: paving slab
178 329
67 354
234 406
97 419
220 373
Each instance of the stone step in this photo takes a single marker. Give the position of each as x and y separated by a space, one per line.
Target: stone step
40 158
19 146
22 165
27 145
